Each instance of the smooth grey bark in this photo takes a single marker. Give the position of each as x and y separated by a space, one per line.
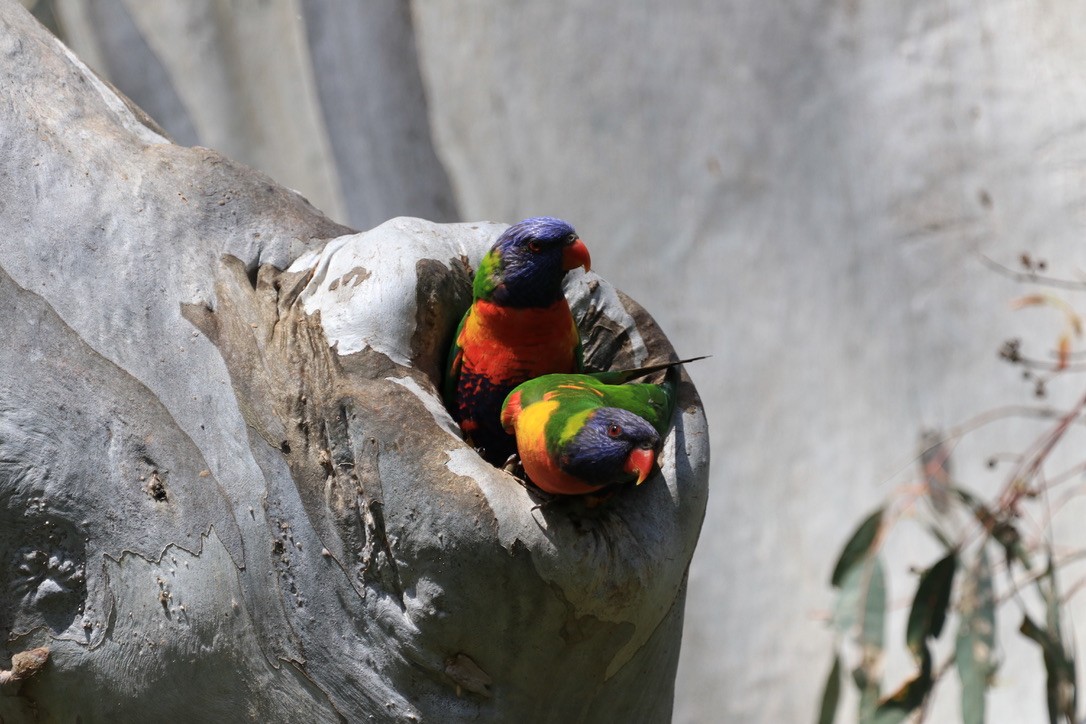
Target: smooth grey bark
228 488
325 96
370 92
124 56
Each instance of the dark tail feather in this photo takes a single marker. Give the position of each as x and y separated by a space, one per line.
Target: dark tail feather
618 377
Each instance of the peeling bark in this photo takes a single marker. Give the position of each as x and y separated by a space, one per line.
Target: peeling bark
228 488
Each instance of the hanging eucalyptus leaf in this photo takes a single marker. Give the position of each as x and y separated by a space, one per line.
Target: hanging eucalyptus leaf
908 698
1061 686
862 602
928 612
831 694
858 547
974 651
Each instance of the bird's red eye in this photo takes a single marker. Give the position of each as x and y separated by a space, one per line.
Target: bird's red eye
535 246
613 430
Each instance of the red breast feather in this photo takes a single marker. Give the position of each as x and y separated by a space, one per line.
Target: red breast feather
502 347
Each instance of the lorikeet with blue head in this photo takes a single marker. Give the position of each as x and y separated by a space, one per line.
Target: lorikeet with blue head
580 433
519 326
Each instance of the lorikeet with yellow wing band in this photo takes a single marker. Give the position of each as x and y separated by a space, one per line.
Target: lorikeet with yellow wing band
579 433
518 327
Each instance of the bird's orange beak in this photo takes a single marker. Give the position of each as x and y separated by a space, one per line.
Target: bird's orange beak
640 462
575 255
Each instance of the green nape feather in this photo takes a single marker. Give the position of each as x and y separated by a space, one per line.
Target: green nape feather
487 277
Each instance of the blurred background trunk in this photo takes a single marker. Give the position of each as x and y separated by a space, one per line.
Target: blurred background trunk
803 190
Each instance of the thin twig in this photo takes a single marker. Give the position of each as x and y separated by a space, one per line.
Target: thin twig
1016 487
1033 277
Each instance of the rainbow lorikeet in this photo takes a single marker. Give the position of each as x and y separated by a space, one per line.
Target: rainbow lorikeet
519 326
578 433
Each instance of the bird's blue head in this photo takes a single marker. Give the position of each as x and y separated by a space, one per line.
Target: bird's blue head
613 446
526 265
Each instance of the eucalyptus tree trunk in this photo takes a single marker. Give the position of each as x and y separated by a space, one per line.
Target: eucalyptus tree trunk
228 487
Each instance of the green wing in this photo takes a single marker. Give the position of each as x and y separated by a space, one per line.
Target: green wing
452 366
482 285
617 377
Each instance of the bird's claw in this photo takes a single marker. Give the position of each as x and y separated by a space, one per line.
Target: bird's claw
512 463
548 501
